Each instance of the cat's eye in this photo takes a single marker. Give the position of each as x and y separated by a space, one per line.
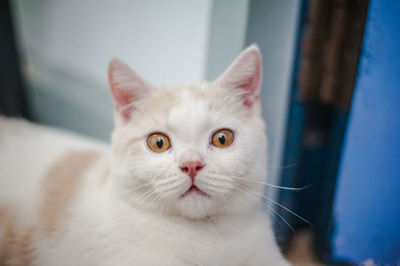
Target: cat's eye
222 138
158 142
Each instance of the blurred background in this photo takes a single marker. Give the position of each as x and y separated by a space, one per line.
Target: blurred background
330 96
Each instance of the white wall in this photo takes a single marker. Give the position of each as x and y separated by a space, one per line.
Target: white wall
165 41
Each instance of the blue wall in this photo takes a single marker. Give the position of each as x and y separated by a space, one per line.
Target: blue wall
367 205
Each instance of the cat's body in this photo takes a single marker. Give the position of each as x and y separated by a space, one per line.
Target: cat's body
66 200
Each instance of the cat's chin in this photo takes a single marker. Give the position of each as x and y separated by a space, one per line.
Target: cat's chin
195 204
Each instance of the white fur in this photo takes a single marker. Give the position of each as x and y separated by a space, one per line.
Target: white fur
139 217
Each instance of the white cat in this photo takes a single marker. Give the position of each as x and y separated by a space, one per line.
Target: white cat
177 187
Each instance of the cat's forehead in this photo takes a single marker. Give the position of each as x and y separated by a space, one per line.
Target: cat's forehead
191 113
188 110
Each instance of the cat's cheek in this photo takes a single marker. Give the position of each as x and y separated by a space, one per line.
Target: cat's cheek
154 166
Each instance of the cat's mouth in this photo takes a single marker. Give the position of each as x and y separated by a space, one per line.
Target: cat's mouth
194 189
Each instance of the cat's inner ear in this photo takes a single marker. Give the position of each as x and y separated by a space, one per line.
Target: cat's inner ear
245 74
127 88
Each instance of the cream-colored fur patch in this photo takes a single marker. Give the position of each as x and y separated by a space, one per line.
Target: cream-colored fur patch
15 243
61 184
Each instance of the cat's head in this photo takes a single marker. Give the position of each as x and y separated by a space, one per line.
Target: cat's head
190 150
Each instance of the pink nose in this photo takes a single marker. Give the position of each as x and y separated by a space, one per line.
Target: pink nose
191 168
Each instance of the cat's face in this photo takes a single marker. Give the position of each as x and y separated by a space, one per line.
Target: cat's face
190 150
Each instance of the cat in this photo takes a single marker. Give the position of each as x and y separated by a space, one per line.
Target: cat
181 183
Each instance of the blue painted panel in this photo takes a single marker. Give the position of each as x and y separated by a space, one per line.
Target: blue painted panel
367 205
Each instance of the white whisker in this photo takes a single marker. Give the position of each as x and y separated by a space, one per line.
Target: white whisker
282 167
145 195
176 184
280 205
264 183
264 205
220 189
166 181
274 186
139 187
161 187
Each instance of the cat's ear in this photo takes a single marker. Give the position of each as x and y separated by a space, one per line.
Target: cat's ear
127 88
245 74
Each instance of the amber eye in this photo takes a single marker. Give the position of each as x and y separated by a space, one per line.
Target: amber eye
158 142
223 138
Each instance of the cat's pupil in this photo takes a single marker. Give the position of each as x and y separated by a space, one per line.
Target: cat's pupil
221 139
160 142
